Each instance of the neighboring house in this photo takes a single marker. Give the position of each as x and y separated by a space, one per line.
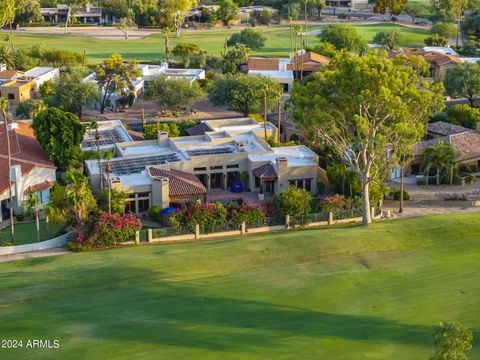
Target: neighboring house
32 171
88 14
245 13
354 4
109 133
440 63
238 124
149 72
172 171
40 75
17 91
466 143
285 70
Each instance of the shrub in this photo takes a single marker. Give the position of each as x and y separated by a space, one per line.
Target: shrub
395 194
421 182
154 214
470 179
20 217
207 216
108 230
292 201
245 213
464 115
456 198
150 131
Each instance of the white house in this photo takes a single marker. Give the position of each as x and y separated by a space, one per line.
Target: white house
41 74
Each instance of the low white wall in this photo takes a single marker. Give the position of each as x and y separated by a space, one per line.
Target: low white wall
43 245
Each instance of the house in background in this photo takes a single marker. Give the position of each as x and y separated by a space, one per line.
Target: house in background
173 171
32 171
89 14
41 75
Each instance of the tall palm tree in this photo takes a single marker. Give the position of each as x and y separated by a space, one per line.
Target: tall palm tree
3 109
7 57
31 204
93 125
78 198
108 156
440 156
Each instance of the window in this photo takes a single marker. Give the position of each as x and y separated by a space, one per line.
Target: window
216 167
200 169
143 205
257 181
11 96
308 184
300 184
130 207
143 195
44 196
291 183
232 166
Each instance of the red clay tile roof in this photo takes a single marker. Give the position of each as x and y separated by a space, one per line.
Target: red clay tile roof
443 128
8 74
26 152
198 129
256 63
317 59
266 171
180 183
431 57
466 144
40 187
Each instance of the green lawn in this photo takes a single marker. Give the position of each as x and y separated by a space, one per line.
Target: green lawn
26 233
152 48
340 293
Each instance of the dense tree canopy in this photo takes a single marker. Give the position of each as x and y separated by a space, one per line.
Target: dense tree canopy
249 37
451 341
358 105
464 81
60 134
343 37
392 7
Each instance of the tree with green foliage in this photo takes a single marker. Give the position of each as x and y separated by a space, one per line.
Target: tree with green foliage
451 341
176 10
357 105
150 131
60 134
444 29
115 76
172 94
7 57
464 115
47 89
292 201
449 10
414 10
71 93
233 58
464 81
387 38
243 93
392 7
440 157
435 40
73 202
249 37
185 51
118 201
125 24
8 10
31 208
227 12
28 12
325 49
343 36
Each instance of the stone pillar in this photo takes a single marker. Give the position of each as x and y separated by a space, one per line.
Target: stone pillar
287 221
137 237
149 235
197 232
243 229
330 218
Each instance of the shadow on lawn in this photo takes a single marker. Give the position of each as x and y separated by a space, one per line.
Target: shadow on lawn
134 304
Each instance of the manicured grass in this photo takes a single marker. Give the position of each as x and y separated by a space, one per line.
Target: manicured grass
426 6
341 293
152 47
26 233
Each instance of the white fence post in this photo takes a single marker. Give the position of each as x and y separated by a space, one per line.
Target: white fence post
149 235
330 218
137 237
197 231
243 229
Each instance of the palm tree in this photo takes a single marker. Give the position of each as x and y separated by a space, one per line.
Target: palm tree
37 107
93 125
7 57
31 204
108 156
440 156
3 109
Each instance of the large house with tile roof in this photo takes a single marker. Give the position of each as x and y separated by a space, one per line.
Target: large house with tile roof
173 171
31 172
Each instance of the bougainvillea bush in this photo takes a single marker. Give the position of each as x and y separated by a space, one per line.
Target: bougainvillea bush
245 213
336 203
107 231
207 216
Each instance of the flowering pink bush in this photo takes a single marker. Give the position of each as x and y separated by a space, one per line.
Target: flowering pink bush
107 230
208 216
245 213
336 203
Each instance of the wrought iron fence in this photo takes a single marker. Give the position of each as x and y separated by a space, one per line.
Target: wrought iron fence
170 231
347 214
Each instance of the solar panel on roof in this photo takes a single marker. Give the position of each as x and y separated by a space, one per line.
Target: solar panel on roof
106 137
137 165
214 151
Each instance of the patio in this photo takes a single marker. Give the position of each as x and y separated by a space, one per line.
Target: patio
220 195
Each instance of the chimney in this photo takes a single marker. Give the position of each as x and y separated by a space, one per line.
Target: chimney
162 138
282 164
